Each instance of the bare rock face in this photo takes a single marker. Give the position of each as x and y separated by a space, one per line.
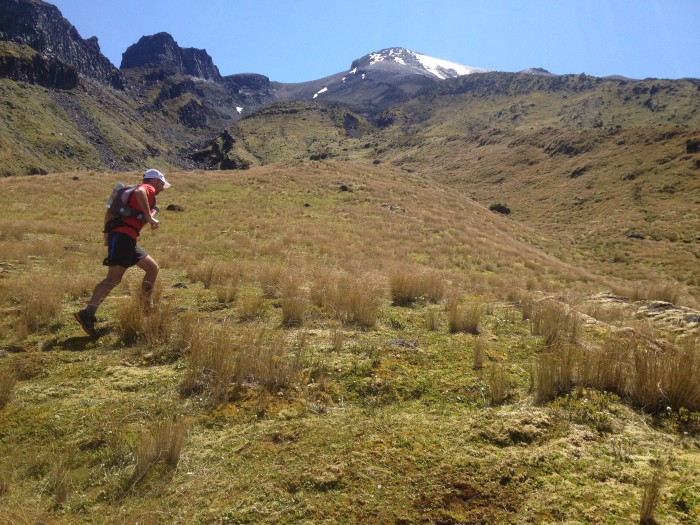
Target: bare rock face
41 27
250 90
23 64
162 50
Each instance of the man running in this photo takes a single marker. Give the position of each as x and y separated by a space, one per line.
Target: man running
120 235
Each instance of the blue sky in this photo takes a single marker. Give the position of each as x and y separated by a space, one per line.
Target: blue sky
299 40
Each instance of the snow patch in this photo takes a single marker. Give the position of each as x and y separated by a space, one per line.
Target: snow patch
436 67
375 57
320 91
444 68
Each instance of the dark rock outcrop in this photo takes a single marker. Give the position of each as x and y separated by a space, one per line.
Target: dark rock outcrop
41 26
161 49
500 208
193 114
177 90
22 64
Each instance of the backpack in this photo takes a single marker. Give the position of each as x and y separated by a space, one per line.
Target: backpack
118 207
118 203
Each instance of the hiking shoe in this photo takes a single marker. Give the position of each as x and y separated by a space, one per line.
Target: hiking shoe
87 322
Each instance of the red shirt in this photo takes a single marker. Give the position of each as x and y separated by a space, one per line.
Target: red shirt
135 225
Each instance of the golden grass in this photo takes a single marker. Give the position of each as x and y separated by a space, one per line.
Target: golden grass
307 418
210 364
666 291
267 359
294 301
408 285
667 379
650 498
5 476
464 317
479 354
7 384
39 305
251 306
161 441
498 384
337 339
432 319
554 322
61 478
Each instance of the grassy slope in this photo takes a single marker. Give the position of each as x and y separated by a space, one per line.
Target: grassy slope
586 160
392 426
591 165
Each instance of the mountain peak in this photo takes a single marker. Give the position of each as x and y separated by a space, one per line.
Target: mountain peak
162 49
402 58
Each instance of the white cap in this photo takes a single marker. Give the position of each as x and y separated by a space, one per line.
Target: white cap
155 174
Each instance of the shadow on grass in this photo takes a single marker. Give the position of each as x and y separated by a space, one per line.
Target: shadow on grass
74 344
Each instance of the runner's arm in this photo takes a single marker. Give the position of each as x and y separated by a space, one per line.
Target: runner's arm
142 199
108 218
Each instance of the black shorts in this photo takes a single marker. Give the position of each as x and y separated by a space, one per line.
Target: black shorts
123 251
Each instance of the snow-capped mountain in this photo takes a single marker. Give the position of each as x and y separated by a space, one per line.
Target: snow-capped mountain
378 79
401 58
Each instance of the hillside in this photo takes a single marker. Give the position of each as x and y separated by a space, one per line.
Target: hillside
609 166
332 344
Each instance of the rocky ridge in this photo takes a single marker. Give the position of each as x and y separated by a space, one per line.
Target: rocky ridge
41 27
161 49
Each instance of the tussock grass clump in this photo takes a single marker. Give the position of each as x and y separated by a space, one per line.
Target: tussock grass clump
154 325
667 379
479 354
358 301
351 300
7 385
61 478
432 319
323 288
256 357
40 305
13 230
251 306
554 372
608 368
210 365
337 339
651 498
498 384
5 477
266 359
161 442
666 291
210 273
408 285
554 322
270 277
464 318
227 291
294 302
203 272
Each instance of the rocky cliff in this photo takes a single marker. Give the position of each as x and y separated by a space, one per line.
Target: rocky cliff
41 27
23 64
162 50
